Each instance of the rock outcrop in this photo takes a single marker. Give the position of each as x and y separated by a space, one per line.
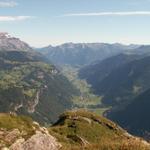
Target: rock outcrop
39 141
12 44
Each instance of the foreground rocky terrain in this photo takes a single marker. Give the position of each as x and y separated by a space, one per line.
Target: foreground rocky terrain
74 130
21 133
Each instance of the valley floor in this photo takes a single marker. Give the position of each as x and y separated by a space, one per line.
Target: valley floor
87 100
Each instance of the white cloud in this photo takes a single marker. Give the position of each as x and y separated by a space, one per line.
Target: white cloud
8 4
127 13
14 18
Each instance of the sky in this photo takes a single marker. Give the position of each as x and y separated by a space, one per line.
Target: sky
52 22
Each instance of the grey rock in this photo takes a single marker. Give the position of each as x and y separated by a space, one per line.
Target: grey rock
39 141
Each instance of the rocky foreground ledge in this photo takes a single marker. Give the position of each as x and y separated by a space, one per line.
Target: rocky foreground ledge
39 141
21 133
75 130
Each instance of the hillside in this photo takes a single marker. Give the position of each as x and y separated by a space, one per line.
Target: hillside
81 54
95 73
74 130
135 116
85 130
123 83
129 81
31 85
118 84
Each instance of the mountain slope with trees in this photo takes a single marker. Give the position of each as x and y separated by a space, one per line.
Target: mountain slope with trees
31 85
135 116
120 78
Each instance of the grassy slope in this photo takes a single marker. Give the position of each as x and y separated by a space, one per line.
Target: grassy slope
84 130
75 130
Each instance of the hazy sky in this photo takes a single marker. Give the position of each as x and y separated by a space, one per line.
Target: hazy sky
45 22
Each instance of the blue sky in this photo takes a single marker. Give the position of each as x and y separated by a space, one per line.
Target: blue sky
45 22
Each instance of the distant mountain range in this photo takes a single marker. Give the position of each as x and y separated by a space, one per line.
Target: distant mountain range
30 84
83 53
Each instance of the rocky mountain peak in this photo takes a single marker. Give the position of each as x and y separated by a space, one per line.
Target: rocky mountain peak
9 43
4 35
